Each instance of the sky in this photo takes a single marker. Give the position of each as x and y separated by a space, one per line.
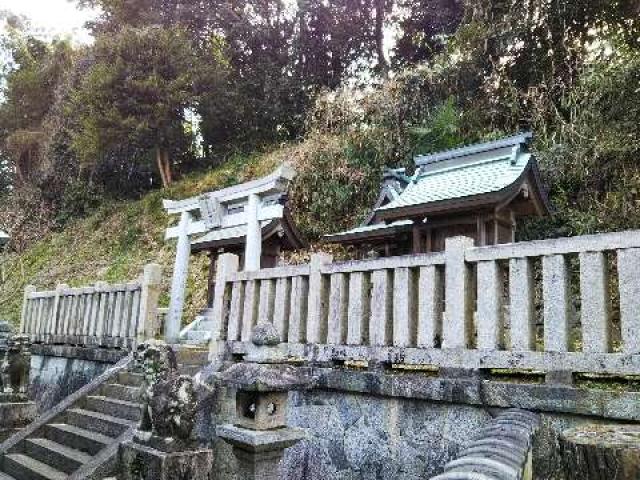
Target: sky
53 17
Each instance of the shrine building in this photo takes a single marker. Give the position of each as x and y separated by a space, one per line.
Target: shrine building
479 191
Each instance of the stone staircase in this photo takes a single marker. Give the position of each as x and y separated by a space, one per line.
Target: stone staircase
59 448
79 437
199 331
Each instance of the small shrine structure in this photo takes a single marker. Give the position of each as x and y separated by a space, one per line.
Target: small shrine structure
478 191
250 219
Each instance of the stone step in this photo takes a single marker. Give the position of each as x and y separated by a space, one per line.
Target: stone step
75 437
194 342
23 467
199 336
121 392
58 456
113 406
192 356
190 370
98 422
130 379
204 323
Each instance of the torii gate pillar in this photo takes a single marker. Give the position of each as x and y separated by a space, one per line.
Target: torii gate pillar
253 245
179 281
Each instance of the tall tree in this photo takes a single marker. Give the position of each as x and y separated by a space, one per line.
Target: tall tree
33 73
135 93
425 26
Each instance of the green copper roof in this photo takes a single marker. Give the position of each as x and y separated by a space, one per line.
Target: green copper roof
475 172
454 175
377 227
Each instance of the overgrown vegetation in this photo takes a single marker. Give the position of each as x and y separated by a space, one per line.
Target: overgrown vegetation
107 123
116 241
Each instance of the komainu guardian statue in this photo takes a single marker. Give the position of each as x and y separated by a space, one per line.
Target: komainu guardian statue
14 371
169 398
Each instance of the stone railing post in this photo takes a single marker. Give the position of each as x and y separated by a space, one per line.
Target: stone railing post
101 299
28 290
53 333
147 320
318 299
227 263
458 321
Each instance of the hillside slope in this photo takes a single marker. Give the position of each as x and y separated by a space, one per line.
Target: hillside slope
117 241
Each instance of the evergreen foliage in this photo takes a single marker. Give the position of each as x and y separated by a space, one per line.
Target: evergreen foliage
79 126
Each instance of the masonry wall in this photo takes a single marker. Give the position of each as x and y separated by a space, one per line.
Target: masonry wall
402 426
359 436
364 437
58 371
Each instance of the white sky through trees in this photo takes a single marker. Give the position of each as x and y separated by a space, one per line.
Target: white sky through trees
51 18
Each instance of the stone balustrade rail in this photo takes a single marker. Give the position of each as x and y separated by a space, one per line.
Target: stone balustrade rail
542 305
101 315
501 451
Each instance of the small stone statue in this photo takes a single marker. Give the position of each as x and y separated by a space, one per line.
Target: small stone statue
169 398
16 364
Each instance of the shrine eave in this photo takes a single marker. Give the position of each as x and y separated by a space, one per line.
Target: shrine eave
231 238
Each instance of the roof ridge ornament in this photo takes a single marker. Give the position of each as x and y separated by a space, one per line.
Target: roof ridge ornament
515 152
522 138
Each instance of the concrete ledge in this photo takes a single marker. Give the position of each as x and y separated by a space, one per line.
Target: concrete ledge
258 441
486 393
460 358
103 355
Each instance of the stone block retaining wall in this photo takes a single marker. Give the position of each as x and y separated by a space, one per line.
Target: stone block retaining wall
58 371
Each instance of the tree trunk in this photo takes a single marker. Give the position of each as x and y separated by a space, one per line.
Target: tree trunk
164 166
167 167
380 6
302 10
160 164
601 452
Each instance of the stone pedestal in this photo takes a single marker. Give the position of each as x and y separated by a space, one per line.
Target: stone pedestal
157 459
259 452
601 452
16 412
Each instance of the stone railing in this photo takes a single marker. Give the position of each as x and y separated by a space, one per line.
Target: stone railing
511 306
103 315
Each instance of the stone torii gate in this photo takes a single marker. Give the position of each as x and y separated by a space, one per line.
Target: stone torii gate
245 205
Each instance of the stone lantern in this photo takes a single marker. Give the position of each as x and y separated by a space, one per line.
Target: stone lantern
259 434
